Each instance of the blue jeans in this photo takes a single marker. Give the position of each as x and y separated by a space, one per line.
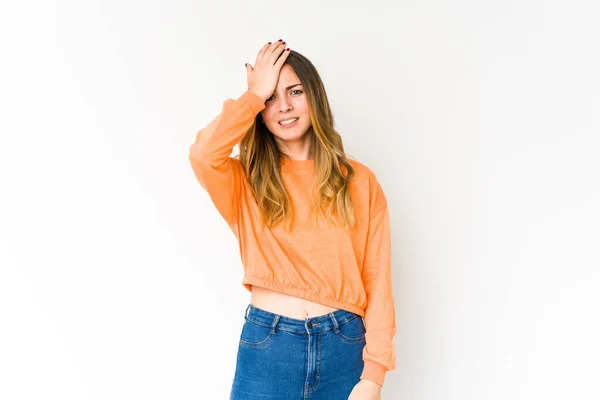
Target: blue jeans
319 358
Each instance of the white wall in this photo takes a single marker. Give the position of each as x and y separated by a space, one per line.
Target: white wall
119 280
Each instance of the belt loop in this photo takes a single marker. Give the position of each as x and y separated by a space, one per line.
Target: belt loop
247 310
335 323
274 324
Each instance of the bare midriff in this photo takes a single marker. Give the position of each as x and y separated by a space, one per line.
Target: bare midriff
287 305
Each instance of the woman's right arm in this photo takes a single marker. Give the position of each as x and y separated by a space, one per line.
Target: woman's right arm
218 173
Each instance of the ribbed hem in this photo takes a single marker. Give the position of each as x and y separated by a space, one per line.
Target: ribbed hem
373 372
302 293
253 100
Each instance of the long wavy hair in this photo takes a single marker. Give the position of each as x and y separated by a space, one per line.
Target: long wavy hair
260 158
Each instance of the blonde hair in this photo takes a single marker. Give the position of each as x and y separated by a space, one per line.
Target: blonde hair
260 158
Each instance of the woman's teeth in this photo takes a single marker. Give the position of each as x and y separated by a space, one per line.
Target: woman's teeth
288 121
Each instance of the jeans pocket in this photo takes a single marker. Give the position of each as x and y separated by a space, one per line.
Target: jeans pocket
352 331
255 335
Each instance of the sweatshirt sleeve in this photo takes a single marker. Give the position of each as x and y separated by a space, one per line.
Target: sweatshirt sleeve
379 353
218 173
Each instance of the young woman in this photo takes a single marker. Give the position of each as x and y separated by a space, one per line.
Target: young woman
314 238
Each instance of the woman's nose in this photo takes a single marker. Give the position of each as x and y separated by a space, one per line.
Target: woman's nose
284 105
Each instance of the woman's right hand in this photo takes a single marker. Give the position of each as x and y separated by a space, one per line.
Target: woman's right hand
263 77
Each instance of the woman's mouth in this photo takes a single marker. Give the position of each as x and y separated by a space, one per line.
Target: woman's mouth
288 122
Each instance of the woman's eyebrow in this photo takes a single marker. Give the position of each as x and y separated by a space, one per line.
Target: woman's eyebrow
289 87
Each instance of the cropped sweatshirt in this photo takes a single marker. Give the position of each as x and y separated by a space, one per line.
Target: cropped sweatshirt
348 269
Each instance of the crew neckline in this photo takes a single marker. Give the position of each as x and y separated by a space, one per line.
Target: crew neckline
297 164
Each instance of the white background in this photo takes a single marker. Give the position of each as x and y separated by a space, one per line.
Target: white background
119 280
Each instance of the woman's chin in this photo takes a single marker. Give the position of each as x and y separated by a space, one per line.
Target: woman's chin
291 134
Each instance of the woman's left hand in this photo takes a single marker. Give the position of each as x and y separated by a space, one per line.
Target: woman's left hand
365 390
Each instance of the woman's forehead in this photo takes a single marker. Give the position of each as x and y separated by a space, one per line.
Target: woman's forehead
287 77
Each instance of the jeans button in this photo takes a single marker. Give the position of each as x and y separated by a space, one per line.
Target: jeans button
309 324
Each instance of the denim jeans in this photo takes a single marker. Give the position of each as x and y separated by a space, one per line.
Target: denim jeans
319 358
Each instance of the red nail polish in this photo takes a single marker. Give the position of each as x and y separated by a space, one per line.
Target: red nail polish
288 49
279 40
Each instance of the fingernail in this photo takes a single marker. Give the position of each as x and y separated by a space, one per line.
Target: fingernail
288 49
280 40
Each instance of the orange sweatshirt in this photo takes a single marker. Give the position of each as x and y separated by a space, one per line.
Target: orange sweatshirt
349 269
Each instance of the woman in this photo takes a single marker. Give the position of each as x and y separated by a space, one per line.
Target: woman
314 235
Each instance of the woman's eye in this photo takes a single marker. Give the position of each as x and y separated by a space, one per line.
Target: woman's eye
293 91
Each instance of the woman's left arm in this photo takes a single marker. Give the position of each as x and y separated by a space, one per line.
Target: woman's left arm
379 353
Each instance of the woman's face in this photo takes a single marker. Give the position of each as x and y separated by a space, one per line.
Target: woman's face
287 102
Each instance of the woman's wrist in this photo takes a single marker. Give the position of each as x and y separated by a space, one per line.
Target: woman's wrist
374 384
259 95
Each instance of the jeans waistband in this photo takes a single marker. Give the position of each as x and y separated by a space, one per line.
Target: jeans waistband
309 325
